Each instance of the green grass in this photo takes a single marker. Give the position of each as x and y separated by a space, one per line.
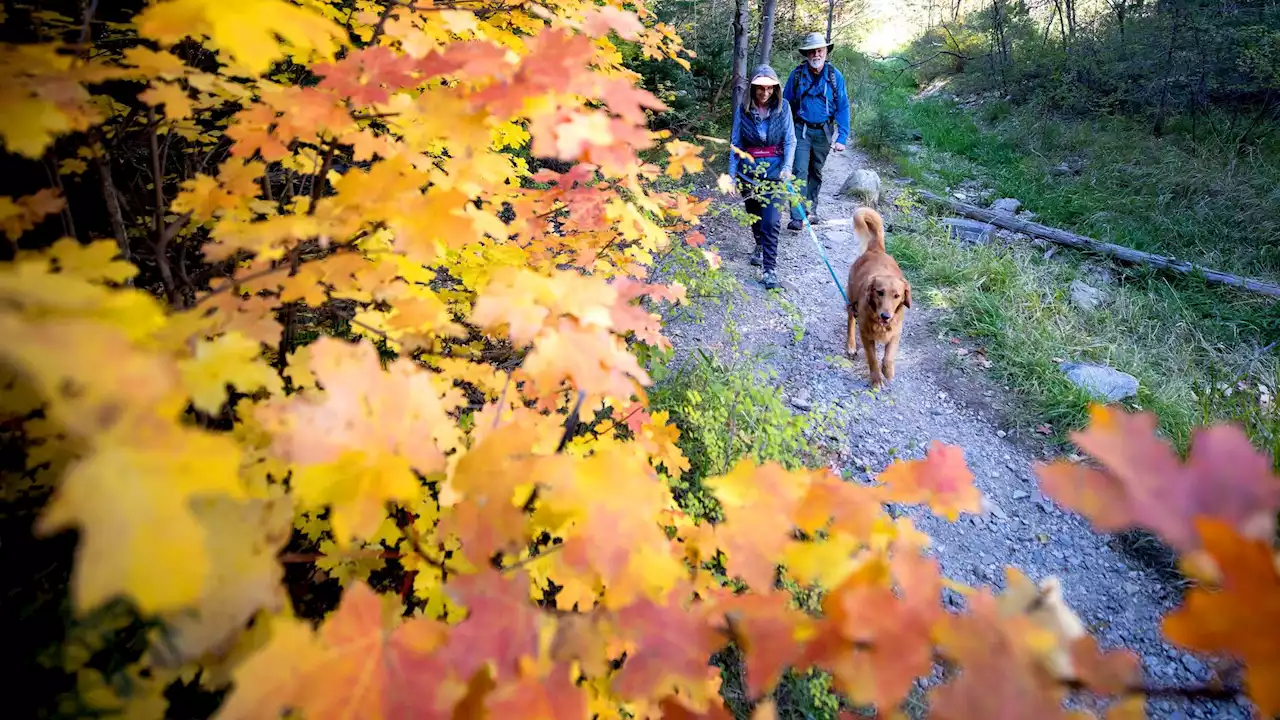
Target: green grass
1194 347
1018 304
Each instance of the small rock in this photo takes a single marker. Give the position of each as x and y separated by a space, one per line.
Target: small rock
1131 588
802 400
1086 296
914 149
864 185
1021 494
836 236
1006 205
1104 382
994 509
1001 433
1066 167
970 231
1193 666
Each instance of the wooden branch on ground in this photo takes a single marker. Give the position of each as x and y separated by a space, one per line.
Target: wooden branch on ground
1062 237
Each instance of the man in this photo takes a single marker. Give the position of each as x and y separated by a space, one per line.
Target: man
820 107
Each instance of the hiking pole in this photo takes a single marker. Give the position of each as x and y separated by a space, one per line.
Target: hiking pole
814 236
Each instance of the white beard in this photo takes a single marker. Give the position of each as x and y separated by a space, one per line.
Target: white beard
817 64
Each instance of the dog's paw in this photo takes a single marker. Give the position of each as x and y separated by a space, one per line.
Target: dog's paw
888 372
876 380
852 352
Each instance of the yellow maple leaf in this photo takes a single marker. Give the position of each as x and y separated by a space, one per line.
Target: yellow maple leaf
130 497
243 539
232 359
357 487
827 563
246 31
177 104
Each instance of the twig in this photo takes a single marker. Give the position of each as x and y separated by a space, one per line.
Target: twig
317 185
86 28
351 319
235 282
571 422
298 558
161 238
521 563
502 401
51 169
102 161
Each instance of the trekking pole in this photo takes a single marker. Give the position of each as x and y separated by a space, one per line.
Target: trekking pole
823 253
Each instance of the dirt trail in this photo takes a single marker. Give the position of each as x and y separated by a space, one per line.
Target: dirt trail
1119 600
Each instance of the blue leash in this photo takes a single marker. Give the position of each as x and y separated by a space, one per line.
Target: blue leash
805 216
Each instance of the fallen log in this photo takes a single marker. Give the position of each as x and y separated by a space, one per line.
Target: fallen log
1062 237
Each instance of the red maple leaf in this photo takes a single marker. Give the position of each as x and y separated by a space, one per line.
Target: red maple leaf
1143 484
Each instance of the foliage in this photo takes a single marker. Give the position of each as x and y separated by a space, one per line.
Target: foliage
1181 338
342 337
1178 66
726 410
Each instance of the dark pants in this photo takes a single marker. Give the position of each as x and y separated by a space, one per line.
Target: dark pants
765 230
812 147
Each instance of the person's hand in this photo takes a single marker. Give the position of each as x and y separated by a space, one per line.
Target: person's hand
838 147
784 176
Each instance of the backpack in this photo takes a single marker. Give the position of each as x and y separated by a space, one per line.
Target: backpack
829 71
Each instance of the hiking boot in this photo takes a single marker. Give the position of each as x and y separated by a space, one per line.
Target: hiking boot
795 225
757 256
770 280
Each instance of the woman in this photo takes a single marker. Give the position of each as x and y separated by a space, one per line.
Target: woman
763 129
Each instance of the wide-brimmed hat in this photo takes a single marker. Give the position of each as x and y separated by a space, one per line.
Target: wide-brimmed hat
764 75
813 41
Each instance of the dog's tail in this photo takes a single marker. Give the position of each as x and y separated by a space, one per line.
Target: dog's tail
868 228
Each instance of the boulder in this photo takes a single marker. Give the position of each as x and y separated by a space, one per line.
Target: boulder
864 185
970 231
1101 381
1086 296
1006 205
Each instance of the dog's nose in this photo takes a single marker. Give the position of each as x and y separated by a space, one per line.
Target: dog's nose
885 316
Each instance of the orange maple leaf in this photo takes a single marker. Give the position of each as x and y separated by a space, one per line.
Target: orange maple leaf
554 696
353 661
1143 484
672 646
770 632
502 625
877 643
1242 615
1000 677
684 158
350 414
487 518
941 479
758 502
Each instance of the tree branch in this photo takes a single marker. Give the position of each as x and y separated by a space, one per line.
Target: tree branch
161 238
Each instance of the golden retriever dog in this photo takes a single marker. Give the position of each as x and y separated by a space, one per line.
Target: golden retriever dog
878 297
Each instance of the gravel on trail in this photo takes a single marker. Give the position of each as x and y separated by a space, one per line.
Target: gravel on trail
1119 600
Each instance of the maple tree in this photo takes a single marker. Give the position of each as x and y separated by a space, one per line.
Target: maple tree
347 325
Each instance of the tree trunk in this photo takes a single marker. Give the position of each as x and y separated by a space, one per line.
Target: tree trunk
1119 252
767 9
831 14
1158 128
740 20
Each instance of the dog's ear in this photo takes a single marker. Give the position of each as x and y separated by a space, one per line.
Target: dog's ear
906 295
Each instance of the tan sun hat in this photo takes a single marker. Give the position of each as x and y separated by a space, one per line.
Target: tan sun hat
813 41
764 75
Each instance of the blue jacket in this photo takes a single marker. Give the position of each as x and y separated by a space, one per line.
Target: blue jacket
819 99
779 130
